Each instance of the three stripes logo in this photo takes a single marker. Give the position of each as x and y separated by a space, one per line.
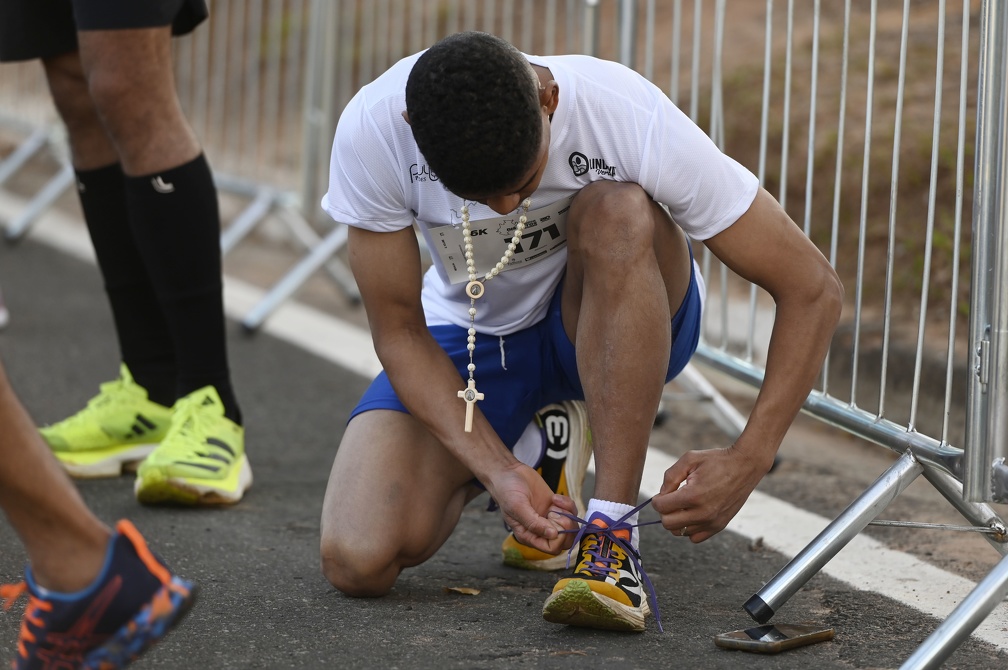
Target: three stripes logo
140 426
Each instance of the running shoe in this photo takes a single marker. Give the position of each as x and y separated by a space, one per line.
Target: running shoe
566 451
132 604
117 429
607 589
201 461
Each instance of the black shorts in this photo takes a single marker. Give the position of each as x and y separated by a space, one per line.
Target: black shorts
32 29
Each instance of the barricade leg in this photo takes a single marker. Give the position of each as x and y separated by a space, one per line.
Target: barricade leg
17 158
249 218
42 201
290 282
833 538
962 621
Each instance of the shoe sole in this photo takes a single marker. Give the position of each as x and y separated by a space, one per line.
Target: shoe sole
578 455
101 463
165 611
578 605
513 558
155 488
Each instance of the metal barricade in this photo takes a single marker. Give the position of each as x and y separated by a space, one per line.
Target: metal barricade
855 103
885 381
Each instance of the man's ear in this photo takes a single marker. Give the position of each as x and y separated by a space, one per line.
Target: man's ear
549 96
405 115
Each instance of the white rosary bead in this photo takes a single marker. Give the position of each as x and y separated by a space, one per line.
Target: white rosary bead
471 395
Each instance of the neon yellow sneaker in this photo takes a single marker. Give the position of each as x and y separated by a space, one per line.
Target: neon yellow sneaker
568 449
117 429
201 460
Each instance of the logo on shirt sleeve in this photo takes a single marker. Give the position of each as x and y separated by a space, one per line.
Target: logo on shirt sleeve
581 165
578 163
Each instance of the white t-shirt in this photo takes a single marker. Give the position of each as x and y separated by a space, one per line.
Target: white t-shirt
611 123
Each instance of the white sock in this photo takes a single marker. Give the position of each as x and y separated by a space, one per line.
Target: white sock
615 510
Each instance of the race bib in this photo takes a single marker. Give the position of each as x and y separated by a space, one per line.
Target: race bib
545 234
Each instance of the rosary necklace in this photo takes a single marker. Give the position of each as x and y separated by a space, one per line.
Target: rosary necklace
475 289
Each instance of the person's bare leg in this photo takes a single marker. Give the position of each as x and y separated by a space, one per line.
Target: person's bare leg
627 273
90 147
66 543
131 81
393 498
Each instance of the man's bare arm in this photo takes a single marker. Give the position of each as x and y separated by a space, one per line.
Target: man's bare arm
388 272
765 247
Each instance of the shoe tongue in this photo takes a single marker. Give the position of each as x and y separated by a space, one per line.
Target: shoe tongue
204 397
602 521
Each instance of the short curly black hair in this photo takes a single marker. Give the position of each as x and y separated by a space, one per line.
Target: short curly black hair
473 106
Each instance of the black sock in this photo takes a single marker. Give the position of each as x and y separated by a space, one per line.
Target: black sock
145 343
176 224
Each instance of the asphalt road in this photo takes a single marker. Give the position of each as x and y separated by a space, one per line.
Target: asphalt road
264 603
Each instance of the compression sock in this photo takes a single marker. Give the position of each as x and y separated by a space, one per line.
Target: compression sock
145 342
176 222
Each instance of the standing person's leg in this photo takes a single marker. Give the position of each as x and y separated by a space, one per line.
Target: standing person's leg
172 203
73 557
120 426
127 420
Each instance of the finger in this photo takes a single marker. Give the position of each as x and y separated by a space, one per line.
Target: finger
534 524
565 503
674 477
701 535
672 500
532 540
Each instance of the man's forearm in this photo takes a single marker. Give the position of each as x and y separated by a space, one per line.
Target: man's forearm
428 383
798 344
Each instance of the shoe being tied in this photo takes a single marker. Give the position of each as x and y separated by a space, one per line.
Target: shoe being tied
201 460
132 604
117 429
607 589
567 449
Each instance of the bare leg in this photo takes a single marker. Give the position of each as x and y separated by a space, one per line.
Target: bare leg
66 543
90 146
627 273
130 80
394 496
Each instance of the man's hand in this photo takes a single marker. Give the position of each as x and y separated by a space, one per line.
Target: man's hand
704 490
526 503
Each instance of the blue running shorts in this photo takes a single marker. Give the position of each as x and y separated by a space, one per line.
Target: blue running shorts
522 372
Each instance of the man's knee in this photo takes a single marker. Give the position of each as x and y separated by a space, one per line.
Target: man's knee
68 87
611 220
354 570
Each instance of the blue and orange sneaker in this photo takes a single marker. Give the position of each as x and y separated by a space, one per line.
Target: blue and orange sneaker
132 604
609 588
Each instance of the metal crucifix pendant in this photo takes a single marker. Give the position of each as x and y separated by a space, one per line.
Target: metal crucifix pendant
470 395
